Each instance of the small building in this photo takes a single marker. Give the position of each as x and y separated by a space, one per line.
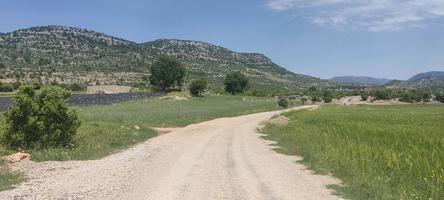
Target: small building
108 89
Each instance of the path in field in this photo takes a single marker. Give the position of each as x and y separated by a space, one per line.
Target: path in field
220 159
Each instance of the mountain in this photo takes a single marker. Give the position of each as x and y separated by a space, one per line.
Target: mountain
429 80
65 54
360 80
428 75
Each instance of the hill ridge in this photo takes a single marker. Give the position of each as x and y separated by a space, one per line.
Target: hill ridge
78 52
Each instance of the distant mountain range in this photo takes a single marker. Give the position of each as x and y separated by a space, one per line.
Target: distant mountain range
428 75
65 54
433 80
360 80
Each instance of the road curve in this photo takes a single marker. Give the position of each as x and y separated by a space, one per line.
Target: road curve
219 159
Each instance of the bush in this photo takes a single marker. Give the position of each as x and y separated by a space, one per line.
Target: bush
303 100
167 74
283 102
198 87
364 96
40 119
440 97
235 82
315 98
76 87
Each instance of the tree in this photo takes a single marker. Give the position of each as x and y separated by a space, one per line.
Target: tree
327 96
235 82
440 97
303 100
198 87
283 102
40 119
167 74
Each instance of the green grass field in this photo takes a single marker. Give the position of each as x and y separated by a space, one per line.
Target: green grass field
380 152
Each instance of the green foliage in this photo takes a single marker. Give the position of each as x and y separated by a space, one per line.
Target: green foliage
198 87
75 87
379 152
235 82
40 119
167 74
303 100
283 102
440 97
327 96
364 96
316 98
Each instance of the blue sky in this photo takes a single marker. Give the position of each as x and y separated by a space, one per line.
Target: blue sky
323 38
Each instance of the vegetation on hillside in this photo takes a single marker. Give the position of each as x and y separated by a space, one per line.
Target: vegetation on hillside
379 152
63 54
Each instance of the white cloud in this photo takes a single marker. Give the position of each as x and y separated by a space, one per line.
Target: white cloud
372 15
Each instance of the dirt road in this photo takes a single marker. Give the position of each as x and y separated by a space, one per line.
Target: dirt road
220 159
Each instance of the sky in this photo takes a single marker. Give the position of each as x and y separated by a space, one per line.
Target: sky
323 38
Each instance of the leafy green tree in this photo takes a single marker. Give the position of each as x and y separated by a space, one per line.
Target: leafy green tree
198 87
315 98
327 96
40 119
167 74
235 82
283 102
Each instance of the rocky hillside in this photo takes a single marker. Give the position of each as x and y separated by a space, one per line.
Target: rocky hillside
427 80
72 54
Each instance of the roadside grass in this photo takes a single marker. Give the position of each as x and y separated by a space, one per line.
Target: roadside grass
379 152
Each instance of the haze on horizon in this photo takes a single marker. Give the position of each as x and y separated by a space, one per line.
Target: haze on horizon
385 39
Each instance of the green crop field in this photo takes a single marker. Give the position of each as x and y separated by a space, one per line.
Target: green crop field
380 152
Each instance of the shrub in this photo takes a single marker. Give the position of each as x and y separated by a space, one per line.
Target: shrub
40 119
235 82
364 96
315 98
440 97
76 87
167 74
303 100
197 87
283 102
